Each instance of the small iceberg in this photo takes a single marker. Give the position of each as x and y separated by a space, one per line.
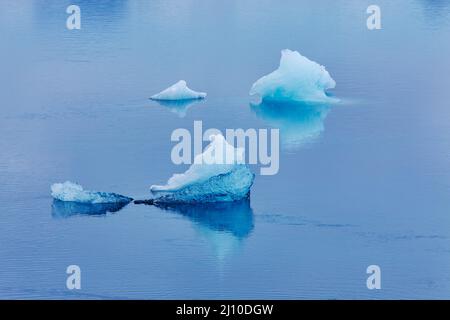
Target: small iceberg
217 175
296 79
178 91
72 192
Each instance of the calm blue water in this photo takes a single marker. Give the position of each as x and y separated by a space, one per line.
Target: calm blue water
363 182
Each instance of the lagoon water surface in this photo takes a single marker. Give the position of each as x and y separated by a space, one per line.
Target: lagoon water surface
362 182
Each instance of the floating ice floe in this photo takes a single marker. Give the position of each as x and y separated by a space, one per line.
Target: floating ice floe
218 174
224 225
296 79
72 192
178 91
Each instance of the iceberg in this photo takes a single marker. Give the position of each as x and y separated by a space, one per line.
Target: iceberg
296 79
178 91
72 192
217 175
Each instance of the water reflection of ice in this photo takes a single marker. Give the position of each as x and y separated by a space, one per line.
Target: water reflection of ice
436 12
179 107
65 209
224 225
300 123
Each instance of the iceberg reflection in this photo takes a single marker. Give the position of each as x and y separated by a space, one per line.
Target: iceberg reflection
179 107
224 224
300 123
65 209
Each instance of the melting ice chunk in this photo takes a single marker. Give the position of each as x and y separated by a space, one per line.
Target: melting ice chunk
73 192
218 174
296 79
178 91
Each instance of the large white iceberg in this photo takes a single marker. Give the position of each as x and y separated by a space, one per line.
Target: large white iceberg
296 79
72 192
178 91
218 174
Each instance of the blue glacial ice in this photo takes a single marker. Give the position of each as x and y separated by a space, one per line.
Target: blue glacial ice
72 192
178 107
64 209
296 79
217 175
178 91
